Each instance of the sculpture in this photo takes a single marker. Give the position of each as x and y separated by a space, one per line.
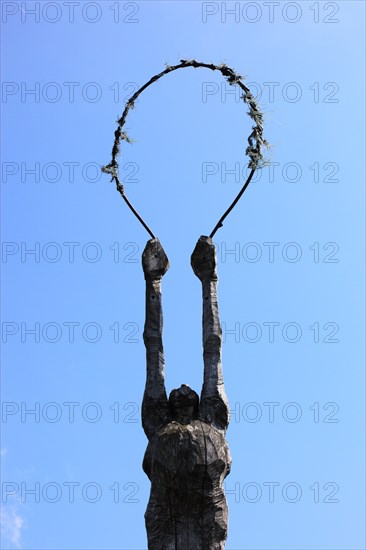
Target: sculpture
187 457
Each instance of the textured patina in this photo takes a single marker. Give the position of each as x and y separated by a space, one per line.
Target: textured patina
187 458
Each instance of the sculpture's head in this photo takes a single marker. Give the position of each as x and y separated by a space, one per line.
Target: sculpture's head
183 404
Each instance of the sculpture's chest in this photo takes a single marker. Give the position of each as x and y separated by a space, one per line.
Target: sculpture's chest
186 451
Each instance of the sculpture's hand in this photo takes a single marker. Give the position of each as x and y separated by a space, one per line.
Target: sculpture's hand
203 259
154 260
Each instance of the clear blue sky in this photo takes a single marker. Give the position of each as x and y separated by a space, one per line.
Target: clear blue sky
290 293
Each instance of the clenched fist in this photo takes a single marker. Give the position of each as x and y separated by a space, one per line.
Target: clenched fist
154 260
203 259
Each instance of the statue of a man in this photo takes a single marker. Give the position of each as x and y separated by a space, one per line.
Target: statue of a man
187 457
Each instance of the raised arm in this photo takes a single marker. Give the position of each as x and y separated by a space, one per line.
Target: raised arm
155 412
214 408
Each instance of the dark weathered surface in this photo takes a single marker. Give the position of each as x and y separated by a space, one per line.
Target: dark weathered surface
187 457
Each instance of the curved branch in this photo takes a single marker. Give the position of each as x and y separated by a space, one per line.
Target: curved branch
221 220
255 139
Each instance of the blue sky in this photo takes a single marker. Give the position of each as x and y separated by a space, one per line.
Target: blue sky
290 261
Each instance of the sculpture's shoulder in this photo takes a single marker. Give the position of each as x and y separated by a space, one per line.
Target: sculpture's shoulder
155 413
214 408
